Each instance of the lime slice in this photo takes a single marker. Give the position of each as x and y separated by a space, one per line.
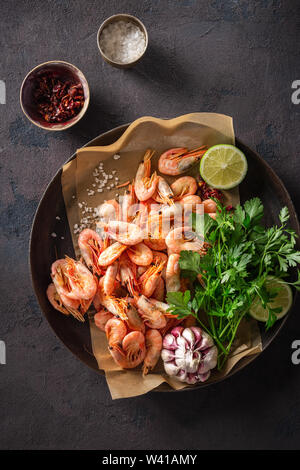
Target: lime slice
283 299
223 166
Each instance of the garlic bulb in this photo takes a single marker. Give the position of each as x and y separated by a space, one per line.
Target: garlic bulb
189 354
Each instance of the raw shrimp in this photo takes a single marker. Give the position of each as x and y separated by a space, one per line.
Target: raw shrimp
173 273
129 206
171 212
85 305
91 246
70 303
159 291
209 206
116 306
56 300
153 340
158 226
152 315
73 279
160 222
125 233
134 320
178 160
109 210
101 318
133 350
145 185
163 193
81 281
143 210
162 306
184 186
109 278
191 203
70 307
96 301
157 244
110 254
183 238
148 281
115 330
128 275
141 270
140 254
159 256
59 279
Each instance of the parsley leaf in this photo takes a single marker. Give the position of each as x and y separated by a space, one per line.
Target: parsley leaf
241 254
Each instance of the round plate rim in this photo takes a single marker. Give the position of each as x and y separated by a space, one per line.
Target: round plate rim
234 371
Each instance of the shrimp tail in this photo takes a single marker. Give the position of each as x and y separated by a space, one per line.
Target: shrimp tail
146 369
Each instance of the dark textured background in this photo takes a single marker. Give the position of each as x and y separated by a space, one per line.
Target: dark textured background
227 56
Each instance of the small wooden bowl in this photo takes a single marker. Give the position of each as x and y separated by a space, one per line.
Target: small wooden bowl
27 101
129 19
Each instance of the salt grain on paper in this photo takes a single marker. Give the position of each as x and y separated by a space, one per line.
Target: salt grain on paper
90 216
122 41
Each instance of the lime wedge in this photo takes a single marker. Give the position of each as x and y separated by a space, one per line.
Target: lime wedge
223 166
283 299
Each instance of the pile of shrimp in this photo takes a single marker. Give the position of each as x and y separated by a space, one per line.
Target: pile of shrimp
132 260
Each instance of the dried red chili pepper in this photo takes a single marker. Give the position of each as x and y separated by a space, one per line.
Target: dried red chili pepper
206 192
58 100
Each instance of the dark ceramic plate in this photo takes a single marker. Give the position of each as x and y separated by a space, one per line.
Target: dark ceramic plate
260 181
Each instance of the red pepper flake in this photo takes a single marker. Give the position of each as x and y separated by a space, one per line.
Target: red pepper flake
207 193
58 100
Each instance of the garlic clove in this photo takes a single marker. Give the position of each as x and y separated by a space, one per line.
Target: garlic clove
192 361
180 357
203 377
177 331
181 375
189 336
209 360
206 341
182 343
197 333
191 379
167 355
171 368
187 360
180 362
169 342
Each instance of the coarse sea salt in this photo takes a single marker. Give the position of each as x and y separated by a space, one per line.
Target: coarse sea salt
122 41
100 185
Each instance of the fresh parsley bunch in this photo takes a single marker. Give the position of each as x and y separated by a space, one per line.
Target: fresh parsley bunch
241 254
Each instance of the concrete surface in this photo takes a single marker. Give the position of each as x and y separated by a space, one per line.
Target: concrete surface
227 56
